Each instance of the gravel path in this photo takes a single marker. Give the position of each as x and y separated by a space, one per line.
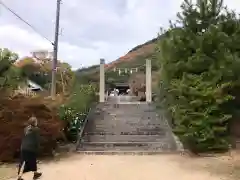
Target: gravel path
162 167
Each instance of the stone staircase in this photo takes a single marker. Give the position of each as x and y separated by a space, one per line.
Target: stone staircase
128 128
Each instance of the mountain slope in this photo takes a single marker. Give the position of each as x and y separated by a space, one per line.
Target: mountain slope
136 57
138 53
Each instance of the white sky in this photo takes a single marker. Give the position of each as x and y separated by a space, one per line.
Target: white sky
91 29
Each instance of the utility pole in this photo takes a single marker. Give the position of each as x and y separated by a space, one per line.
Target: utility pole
55 51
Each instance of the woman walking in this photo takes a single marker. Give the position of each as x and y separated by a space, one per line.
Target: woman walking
29 149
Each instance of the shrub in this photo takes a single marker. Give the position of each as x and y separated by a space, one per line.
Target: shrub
14 114
76 109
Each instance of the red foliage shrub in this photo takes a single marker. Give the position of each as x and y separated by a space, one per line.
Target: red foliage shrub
14 114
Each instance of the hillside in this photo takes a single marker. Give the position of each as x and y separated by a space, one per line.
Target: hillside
136 57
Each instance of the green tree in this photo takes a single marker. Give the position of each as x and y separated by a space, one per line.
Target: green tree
42 73
199 61
7 58
9 75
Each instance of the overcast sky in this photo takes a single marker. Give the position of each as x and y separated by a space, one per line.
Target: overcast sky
91 29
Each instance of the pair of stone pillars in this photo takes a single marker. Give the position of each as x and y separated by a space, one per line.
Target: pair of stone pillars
148 81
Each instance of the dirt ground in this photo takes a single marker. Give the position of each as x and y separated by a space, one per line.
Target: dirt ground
166 167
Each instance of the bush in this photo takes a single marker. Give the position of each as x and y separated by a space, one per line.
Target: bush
199 64
10 76
14 114
76 109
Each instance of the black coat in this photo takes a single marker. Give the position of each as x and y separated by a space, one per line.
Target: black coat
31 139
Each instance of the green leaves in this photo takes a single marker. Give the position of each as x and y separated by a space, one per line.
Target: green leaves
76 109
6 54
199 68
10 75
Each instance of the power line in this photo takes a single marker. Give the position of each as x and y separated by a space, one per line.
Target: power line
19 17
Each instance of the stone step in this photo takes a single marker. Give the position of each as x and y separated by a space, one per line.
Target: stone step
128 128
132 126
131 120
105 132
124 129
157 127
128 123
133 153
126 146
124 138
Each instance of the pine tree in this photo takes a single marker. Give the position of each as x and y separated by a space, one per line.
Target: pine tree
197 17
198 61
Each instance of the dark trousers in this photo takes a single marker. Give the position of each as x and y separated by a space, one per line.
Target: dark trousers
30 159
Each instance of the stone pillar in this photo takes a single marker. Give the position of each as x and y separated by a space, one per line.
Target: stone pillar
102 81
148 81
